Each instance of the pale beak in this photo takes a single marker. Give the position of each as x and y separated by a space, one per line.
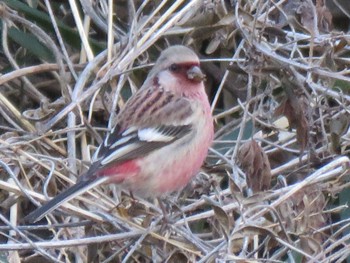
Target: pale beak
195 73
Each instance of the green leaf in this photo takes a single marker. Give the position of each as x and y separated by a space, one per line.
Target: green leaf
31 43
344 86
43 20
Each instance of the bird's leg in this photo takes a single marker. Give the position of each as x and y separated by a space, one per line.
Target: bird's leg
164 210
132 195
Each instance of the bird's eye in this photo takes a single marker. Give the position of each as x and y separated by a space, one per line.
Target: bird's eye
174 67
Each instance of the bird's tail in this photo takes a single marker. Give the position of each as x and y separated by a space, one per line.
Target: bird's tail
75 190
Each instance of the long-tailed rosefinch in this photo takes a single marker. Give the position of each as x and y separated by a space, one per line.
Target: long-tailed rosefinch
161 136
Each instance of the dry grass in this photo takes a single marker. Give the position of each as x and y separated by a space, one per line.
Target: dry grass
277 72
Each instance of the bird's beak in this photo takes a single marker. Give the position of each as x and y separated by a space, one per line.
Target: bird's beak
195 73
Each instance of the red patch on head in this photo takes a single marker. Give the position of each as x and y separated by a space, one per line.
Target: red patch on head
181 69
121 171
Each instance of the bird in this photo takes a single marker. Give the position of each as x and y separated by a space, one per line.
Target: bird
161 136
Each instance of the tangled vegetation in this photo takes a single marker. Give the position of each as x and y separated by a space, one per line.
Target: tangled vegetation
275 185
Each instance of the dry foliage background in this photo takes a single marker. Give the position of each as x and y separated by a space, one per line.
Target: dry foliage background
275 185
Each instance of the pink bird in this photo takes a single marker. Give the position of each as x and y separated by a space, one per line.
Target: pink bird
161 136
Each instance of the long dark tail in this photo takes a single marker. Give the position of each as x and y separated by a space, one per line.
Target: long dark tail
75 190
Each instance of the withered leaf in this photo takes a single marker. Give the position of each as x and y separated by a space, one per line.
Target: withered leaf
324 17
255 163
339 46
234 188
296 109
213 44
222 218
274 32
220 214
307 11
310 245
205 32
227 20
177 256
337 128
303 213
256 230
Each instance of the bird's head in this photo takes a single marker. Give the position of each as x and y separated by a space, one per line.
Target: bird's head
178 69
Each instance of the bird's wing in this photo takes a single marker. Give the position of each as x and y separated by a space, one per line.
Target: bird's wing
152 119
